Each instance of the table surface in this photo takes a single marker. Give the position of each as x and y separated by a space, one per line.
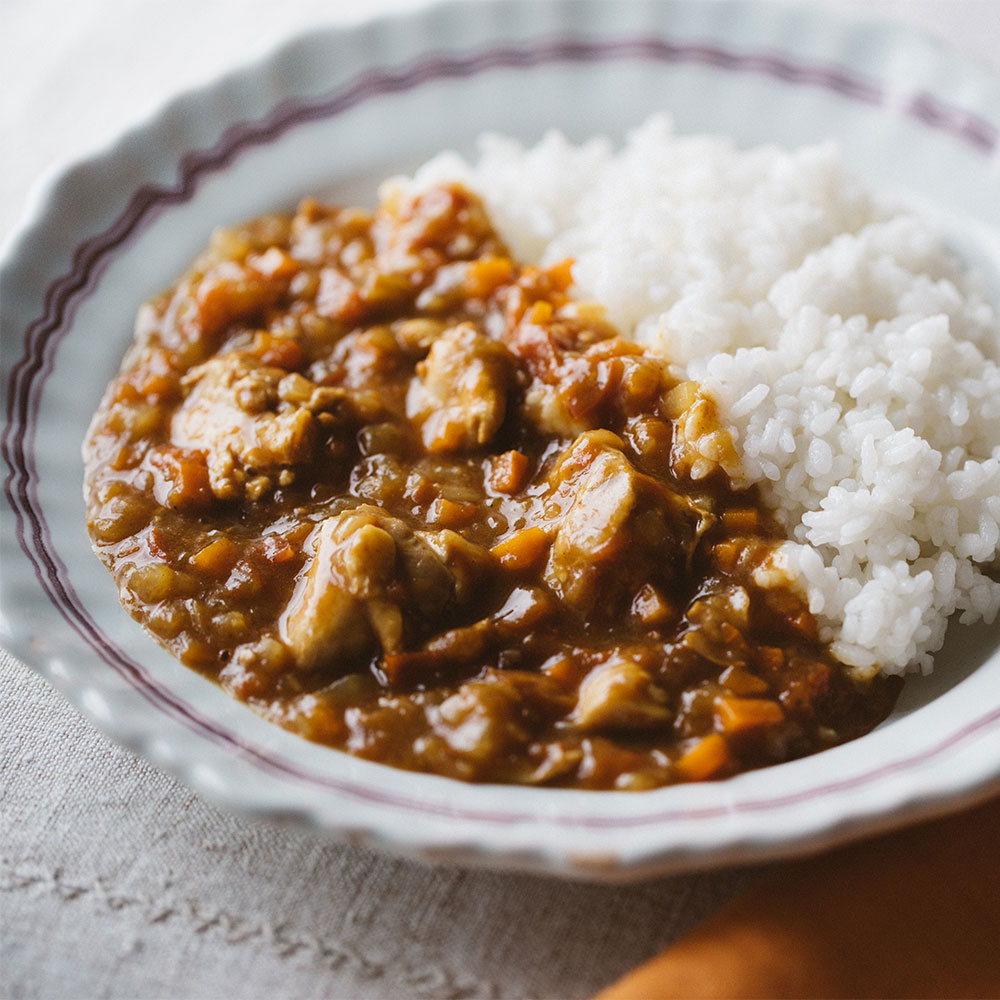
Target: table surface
116 880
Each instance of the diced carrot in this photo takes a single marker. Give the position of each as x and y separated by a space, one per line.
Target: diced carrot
741 520
281 352
156 386
182 479
522 550
405 668
735 715
727 555
741 681
487 274
125 391
705 759
541 313
419 490
156 543
217 558
460 645
561 274
451 513
507 472
771 657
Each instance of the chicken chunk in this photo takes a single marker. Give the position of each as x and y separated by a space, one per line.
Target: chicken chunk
493 714
580 375
546 409
369 579
545 406
701 445
619 694
468 562
615 525
459 397
254 422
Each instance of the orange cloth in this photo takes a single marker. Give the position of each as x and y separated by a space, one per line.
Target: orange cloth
912 914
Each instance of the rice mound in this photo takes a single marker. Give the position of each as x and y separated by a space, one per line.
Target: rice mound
853 361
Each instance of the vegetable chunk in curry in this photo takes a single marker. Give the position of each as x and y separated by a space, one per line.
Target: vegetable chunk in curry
406 497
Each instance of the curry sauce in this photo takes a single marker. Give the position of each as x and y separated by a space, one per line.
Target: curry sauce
406 496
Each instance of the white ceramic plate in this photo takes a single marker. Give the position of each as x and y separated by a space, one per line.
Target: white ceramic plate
332 113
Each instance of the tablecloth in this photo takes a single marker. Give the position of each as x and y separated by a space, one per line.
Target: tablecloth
116 880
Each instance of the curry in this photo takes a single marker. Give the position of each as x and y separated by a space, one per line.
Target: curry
407 497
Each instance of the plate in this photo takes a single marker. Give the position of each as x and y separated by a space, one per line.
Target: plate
332 113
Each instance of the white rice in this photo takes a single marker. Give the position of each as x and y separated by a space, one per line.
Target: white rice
854 362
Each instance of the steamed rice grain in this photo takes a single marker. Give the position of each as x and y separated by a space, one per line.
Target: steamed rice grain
854 362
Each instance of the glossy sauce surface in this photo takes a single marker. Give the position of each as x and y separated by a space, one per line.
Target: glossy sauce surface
404 496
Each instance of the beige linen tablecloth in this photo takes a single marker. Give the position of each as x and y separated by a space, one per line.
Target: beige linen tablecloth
115 880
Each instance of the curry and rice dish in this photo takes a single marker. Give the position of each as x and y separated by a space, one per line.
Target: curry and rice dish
412 498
